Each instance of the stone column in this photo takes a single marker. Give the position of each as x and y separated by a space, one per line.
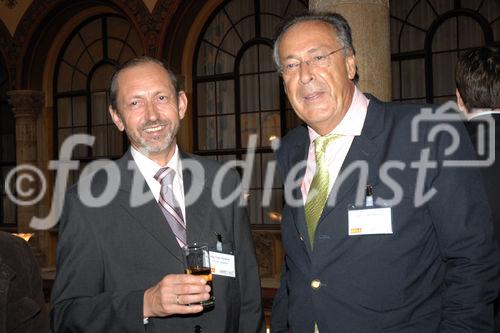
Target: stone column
369 21
26 105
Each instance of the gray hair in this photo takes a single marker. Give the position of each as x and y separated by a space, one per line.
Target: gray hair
336 21
137 61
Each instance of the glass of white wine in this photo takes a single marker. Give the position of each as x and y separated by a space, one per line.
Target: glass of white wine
197 260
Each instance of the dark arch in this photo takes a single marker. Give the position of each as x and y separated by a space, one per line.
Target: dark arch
5 43
8 222
85 91
237 91
173 35
6 53
462 12
44 19
258 39
173 21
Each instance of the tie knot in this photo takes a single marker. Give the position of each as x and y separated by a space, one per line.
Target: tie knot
165 174
321 142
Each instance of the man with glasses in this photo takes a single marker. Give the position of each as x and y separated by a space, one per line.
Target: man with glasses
379 235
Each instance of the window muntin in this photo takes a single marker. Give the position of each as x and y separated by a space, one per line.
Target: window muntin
237 92
83 72
427 36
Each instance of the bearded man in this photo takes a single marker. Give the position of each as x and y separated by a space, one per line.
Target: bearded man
120 266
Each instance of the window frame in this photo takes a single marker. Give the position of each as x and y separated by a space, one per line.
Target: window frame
88 92
426 54
257 40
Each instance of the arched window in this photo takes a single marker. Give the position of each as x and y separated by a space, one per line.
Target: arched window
427 36
83 72
237 92
7 151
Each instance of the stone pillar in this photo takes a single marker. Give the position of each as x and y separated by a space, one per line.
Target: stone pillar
369 21
27 105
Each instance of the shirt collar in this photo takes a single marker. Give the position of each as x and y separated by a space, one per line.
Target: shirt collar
481 112
354 119
149 168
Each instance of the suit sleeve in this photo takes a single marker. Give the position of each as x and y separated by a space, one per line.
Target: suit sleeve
80 303
247 272
463 223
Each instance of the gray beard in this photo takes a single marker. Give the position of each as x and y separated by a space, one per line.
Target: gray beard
147 148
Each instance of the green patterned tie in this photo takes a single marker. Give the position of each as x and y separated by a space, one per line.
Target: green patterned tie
318 192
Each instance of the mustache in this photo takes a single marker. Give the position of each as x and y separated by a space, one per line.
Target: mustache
155 123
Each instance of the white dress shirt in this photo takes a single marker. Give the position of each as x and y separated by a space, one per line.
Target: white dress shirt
149 168
349 127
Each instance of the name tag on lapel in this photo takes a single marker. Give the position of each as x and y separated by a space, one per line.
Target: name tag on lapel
222 264
370 221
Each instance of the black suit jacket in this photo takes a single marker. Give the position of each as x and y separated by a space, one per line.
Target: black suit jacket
22 303
437 272
108 256
490 174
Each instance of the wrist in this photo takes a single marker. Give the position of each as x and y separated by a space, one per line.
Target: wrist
147 308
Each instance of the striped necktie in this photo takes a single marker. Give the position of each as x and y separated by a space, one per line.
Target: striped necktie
318 192
170 206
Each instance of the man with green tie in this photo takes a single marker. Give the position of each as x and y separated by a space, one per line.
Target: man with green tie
422 257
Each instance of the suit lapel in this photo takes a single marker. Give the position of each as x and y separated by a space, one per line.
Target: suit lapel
363 148
299 155
148 215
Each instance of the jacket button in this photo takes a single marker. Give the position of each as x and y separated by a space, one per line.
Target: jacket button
315 284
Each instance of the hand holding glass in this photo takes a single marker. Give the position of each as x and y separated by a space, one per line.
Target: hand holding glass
198 263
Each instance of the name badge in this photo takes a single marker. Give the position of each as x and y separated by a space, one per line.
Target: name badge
370 221
222 264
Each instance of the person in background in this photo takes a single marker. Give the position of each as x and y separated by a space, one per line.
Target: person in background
22 303
477 76
417 253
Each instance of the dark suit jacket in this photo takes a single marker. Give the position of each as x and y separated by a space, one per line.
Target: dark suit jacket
22 304
437 272
491 174
107 257
491 177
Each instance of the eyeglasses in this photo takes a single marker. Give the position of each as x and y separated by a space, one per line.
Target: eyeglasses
322 60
